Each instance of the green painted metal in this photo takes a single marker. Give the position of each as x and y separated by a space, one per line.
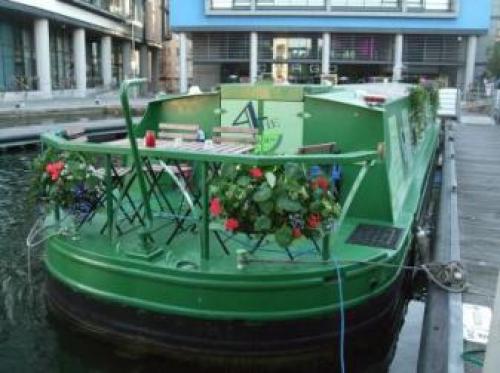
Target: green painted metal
205 218
214 287
56 141
109 196
138 167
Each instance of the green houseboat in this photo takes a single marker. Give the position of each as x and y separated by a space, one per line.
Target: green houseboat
240 250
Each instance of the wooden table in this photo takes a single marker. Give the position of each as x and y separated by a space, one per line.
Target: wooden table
192 146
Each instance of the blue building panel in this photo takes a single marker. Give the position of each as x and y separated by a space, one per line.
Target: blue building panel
472 17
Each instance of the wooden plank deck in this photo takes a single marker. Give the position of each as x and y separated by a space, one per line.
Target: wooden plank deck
477 150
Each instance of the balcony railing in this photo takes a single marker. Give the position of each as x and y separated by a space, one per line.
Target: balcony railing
320 7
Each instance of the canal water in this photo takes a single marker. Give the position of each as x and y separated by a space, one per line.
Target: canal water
29 340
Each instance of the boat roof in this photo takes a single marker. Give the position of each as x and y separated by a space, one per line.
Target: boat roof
353 94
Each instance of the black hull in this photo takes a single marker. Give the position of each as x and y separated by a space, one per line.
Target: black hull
370 338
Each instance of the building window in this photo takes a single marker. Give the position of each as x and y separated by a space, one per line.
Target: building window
429 5
137 10
434 49
385 5
291 58
291 4
61 58
94 73
361 48
117 62
289 47
281 6
229 46
17 59
231 4
112 6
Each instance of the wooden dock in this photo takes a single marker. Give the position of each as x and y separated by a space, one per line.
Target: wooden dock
478 175
13 137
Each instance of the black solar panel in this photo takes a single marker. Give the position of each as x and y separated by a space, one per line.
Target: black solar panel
375 235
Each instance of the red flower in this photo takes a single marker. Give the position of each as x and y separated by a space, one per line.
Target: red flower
323 183
54 169
313 221
215 207
256 173
296 232
231 224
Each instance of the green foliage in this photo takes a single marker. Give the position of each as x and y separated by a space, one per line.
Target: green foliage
64 179
424 104
279 200
493 64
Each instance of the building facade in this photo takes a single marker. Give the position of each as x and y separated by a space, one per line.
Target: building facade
486 42
299 41
76 47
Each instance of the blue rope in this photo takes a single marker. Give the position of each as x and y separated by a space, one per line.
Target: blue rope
342 316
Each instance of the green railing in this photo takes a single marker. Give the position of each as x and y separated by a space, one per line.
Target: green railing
202 162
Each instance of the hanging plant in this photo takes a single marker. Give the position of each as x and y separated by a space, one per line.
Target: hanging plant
281 200
66 180
424 104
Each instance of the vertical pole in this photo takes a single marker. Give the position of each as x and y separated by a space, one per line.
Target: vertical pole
183 68
325 60
106 61
138 164
79 56
155 69
254 50
397 69
204 237
470 62
144 66
127 59
42 50
109 196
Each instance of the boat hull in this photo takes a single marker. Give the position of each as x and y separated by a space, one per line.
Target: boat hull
371 330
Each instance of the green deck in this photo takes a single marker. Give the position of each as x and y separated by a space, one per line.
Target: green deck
101 265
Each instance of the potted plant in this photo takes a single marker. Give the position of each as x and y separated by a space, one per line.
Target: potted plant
66 181
287 201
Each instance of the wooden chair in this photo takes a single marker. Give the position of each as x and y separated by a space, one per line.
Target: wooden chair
325 148
172 131
335 171
235 135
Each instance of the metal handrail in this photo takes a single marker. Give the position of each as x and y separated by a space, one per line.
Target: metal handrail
364 159
56 141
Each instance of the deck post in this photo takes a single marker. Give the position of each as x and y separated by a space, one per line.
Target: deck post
109 196
204 238
325 252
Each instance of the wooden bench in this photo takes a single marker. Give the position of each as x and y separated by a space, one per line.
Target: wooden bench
325 148
172 131
238 135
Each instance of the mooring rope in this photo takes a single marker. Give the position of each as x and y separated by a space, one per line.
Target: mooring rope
342 316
